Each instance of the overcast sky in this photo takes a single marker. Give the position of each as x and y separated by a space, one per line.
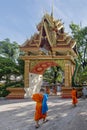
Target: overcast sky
18 18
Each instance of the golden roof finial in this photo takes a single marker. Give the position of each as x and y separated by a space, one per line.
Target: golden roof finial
52 8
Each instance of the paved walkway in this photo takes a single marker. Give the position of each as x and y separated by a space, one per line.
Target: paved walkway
18 115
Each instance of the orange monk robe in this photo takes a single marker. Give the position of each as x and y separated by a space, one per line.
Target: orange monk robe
48 90
38 98
74 97
55 90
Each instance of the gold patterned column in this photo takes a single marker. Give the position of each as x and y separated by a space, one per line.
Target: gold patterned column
68 77
26 74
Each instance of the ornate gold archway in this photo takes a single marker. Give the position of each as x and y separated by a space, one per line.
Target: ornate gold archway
51 46
38 66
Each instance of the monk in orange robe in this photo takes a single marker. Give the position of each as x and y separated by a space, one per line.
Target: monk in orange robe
47 90
38 98
55 90
74 96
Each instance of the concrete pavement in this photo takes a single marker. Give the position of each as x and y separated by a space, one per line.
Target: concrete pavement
18 115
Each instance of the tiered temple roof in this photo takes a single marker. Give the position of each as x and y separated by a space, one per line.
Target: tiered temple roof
50 39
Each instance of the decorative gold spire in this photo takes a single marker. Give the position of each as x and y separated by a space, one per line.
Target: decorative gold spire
52 9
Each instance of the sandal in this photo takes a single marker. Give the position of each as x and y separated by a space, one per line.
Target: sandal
37 126
45 121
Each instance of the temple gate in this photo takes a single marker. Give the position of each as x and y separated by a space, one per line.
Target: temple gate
50 46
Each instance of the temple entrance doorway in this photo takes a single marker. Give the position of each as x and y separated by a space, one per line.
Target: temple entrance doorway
48 71
53 80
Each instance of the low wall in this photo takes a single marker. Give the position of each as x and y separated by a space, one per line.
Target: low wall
66 92
15 93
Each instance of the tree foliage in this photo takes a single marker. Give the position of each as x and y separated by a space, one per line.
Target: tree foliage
53 75
9 50
9 59
80 35
10 65
7 68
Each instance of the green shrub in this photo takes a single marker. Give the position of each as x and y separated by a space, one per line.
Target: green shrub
3 91
3 88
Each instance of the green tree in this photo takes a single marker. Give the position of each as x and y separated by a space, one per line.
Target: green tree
83 77
9 50
80 35
53 75
7 68
21 67
10 65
